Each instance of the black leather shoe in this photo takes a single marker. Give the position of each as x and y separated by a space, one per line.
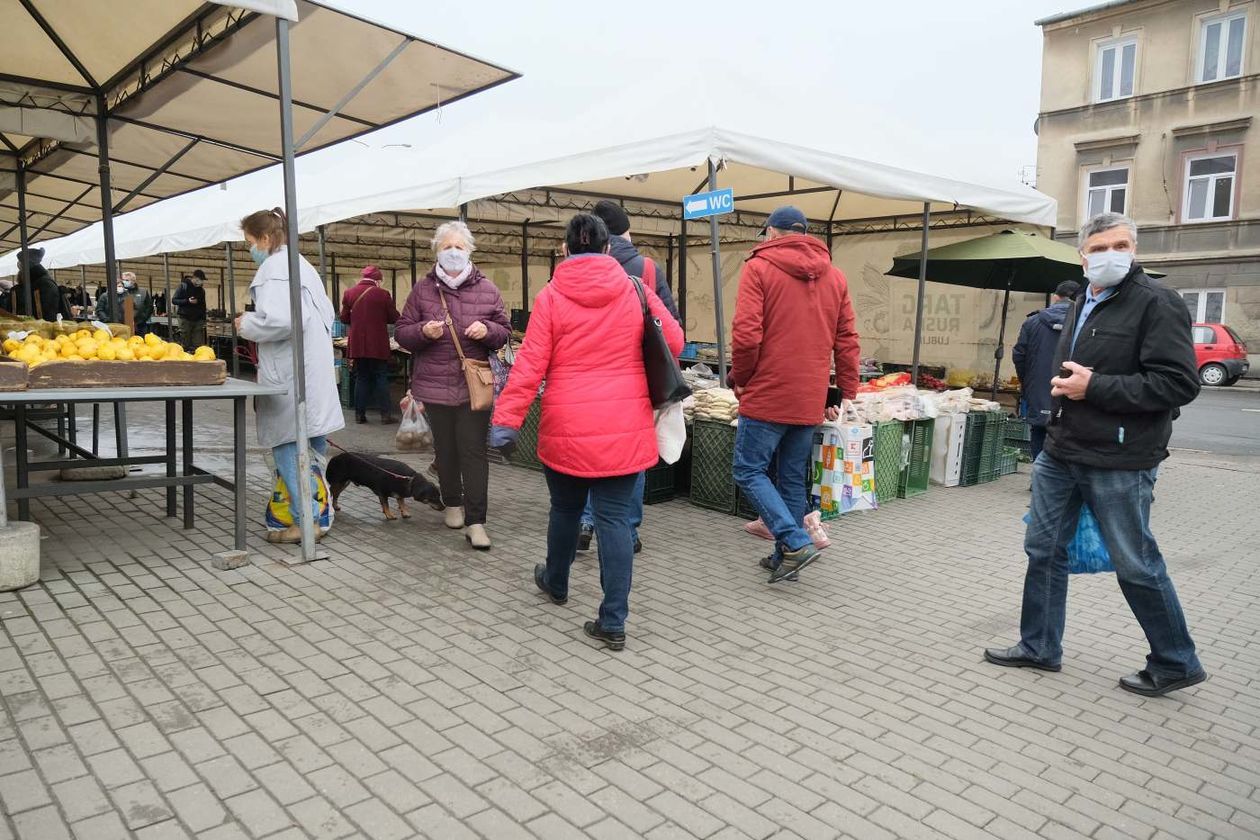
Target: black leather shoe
1014 657
584 538
540 574
613 641
1150 685
638 545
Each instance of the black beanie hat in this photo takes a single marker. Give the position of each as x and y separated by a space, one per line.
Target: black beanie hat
614 216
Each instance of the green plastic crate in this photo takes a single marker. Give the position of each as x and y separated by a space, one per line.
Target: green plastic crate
345 382
526 454
1017 429
1010 461
712 454
981 446
888 462
658 484
914 476
991 457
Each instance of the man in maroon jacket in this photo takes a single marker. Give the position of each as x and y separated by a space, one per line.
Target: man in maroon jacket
369 310
792 315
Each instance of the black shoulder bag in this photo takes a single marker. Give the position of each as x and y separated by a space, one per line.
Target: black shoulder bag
664 377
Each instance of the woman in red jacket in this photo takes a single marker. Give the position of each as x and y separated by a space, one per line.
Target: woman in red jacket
369 310
585 339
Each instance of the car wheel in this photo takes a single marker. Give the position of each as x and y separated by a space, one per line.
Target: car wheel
1230 381
1212 374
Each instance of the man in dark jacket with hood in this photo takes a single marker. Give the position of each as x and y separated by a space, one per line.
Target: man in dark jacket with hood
45 296
1034 355
1125 365
190 303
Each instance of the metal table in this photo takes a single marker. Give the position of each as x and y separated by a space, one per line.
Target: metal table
236 390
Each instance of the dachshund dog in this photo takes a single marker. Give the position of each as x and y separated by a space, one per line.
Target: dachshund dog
386 478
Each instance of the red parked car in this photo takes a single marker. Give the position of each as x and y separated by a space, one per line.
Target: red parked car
1219 353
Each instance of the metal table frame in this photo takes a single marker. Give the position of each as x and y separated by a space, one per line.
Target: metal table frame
235 390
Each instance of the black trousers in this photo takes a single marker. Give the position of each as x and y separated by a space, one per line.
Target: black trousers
459 440
371 386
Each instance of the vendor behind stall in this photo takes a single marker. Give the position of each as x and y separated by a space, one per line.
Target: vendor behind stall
45 296
142 303
190 301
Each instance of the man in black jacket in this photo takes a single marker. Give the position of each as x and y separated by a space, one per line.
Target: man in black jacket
45 296
635 264
1034 356
190 302
1126 366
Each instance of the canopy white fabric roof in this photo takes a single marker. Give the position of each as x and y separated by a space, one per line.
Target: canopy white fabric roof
569 157
191 92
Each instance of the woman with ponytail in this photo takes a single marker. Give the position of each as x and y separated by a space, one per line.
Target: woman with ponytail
585 338
270 326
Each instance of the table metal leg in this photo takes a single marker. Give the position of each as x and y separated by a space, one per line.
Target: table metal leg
120 429
20 463
238 471
73 415
170 457
189 491
96 429
61 430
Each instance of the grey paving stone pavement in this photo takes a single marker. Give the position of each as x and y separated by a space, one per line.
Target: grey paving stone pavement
409 687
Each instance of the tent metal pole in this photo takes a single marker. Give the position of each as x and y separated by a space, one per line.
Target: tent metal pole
1001 347
24 267
323 253
300 496
682 275
669 262
393 283
918 311
525 266
333 284
412 260
221 288
231 294
170 316
463 212
107 205
719 317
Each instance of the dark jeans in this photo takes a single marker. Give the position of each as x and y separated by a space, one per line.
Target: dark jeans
371 380
614 505
1121 499
781 503
459 440
636 516
1036 440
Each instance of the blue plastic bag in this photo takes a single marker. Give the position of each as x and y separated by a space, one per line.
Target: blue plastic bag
1087 553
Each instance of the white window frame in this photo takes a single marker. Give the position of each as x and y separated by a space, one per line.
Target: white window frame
1200 315
1127 166
1117 66
1222 56
1211 200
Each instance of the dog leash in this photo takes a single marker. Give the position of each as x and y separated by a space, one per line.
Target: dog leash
345 451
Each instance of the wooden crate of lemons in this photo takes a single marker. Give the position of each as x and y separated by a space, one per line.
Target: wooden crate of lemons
94 358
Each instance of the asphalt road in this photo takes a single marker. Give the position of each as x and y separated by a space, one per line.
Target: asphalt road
1224 421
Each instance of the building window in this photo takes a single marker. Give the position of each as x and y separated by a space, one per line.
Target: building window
1206 306
1107 190
1209 194
1221 47
1114 69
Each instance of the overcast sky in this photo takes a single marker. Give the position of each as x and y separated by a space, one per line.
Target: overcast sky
948 86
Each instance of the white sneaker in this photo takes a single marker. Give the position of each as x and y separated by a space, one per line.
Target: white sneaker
477 537
454 518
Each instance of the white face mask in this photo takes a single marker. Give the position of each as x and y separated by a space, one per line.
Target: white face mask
1105 269
453 260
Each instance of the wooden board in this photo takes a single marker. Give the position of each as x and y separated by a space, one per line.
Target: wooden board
96 374
12 374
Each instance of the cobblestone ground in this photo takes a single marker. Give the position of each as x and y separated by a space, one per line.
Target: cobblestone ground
408 687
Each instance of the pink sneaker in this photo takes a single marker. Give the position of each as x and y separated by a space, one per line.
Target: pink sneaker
758 529
817 531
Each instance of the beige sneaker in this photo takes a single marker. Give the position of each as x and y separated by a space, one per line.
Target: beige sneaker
477 537
455 518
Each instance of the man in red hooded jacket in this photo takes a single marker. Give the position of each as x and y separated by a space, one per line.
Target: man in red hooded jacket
792 315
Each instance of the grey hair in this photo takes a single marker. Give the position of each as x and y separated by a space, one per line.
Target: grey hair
457 227
1104 222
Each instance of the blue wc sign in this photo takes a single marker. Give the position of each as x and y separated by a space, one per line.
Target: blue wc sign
702 205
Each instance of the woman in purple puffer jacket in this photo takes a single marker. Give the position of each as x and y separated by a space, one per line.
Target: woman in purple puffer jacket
437 379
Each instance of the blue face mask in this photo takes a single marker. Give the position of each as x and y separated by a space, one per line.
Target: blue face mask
258 255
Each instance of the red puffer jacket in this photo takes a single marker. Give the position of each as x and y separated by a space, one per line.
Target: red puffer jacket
585 338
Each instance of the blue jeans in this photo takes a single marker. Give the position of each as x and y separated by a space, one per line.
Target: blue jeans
636 516
782 502
286 457
1121 499
614 506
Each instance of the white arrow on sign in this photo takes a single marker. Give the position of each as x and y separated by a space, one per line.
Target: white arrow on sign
697 205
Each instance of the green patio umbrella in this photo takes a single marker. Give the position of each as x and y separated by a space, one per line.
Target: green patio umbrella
1013 261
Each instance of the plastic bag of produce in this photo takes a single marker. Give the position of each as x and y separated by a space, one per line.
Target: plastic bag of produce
414 434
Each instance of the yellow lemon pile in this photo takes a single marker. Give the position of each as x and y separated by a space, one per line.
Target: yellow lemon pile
86 345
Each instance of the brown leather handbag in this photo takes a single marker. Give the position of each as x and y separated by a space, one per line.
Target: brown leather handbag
478 374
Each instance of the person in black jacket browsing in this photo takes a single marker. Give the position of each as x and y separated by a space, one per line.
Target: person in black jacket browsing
190 303
1125 365
1034 360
